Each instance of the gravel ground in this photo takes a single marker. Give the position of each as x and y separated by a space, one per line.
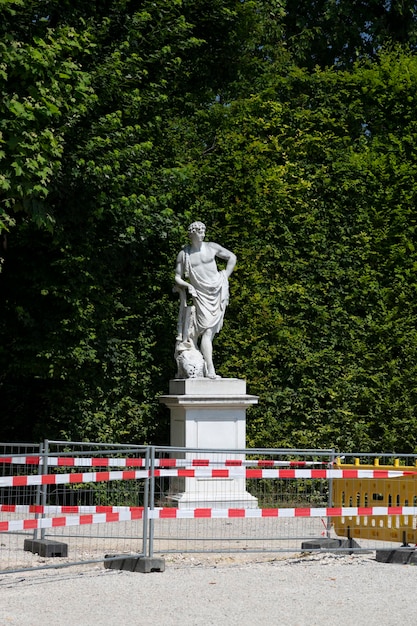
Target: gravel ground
295 590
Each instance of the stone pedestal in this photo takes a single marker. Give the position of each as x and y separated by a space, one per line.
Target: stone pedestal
207 415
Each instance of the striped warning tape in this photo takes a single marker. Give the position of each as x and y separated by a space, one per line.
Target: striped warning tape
54 509
281 473
200 513
141 462
77 477
75 461
242 473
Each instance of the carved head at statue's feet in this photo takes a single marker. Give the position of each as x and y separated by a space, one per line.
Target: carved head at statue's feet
190 362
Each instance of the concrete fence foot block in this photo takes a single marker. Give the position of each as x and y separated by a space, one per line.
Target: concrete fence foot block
402 556
329 545
134 563
46 547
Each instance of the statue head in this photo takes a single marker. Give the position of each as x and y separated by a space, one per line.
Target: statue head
197 227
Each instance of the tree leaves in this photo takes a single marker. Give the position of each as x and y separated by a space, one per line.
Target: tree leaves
42 90
320 216
121 124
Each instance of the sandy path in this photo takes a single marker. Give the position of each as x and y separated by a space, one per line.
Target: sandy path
296 590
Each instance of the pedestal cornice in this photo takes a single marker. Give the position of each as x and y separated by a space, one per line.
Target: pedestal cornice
209 401
206 392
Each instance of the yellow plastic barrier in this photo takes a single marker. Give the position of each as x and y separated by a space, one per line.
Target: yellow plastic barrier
377 492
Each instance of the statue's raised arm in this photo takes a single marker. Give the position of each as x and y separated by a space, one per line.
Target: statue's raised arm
196 275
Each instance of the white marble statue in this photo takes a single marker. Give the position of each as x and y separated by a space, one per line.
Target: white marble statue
196 272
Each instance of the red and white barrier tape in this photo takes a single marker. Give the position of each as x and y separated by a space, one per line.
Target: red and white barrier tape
141 462
280 473
133 513
53 461
53 509
242 473
78 477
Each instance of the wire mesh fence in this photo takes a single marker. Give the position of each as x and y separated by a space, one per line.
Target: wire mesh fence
9 494
64 503
217 482
71 502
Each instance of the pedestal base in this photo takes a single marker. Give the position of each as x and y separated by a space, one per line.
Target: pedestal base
209 415
233 498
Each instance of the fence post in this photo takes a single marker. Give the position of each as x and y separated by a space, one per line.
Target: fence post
330 499
38 488
152 500
44 488
145 506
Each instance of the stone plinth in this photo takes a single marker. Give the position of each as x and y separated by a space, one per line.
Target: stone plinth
208 415
211 388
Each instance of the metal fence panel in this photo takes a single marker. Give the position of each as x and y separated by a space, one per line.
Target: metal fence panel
98 499
79 500
258 478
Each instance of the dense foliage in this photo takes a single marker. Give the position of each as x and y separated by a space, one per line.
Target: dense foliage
322 166
290 132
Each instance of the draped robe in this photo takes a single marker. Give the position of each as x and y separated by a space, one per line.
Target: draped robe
212 295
